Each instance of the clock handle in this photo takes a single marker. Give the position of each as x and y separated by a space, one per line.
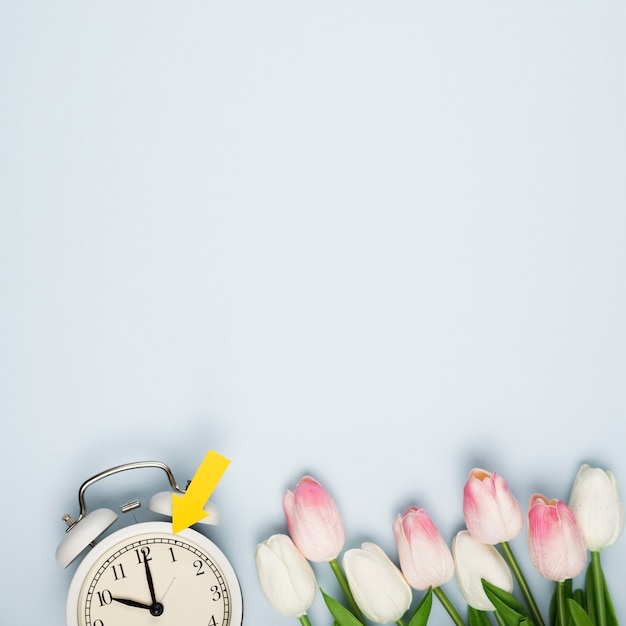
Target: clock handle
116 470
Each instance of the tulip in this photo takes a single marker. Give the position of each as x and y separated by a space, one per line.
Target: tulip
379 588
492 514
425 559
474 561
313 521
556 543
286 577
597 506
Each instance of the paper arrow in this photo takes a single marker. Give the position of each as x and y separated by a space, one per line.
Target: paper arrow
189 508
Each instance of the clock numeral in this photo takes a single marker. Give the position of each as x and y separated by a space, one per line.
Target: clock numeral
142 555
215 590
172 553
212 621
105 597
118 571
199 565
98 622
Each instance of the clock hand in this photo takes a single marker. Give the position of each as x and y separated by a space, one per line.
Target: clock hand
128 602
168 588
150 582
156 608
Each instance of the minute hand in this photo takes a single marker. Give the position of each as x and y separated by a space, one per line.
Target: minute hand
150 583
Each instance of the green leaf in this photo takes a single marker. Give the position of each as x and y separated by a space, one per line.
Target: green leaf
554 608
579 598
507 606
478 617
611 617
342 616
577 613
422 613
590 594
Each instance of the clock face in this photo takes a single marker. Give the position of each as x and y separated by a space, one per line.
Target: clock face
146 576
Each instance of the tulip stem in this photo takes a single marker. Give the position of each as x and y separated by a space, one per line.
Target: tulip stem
334 564
448 606
400 622
561 615
598 587
304 620
521 581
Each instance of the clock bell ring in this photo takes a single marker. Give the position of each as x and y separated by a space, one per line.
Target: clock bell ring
145 574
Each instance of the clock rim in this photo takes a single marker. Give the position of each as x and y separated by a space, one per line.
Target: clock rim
142 528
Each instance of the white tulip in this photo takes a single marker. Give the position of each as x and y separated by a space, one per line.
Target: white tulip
474 560
287 578
378 586
597 506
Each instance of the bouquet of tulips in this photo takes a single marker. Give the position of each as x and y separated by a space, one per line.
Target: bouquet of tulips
563 541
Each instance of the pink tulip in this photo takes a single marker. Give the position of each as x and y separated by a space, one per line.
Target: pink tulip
557 546
313 521
492 514
425 559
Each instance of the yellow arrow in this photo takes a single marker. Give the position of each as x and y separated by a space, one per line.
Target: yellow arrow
189 508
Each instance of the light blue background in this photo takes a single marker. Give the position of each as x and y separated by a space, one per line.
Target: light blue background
381 242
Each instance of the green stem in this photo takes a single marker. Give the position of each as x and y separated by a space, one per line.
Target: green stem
400 622
304 620
561 616
346 590
521 581
448 606
598 587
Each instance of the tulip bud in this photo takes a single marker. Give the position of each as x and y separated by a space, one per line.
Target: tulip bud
597 506
557 547
425 559
378 586
492 514
313 521
286 577
474 560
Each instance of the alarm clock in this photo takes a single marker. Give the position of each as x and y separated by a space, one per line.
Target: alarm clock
144 574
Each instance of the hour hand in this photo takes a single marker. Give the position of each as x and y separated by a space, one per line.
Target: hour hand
128 602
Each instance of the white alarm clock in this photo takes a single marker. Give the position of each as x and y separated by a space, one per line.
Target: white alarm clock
144 574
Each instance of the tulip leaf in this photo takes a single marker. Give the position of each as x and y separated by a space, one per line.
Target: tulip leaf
508 617
422 613
579 598
553 610
590 594
611 617
507 606
342 616
578 614
478 617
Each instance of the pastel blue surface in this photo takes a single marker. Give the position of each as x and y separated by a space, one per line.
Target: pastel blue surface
381 243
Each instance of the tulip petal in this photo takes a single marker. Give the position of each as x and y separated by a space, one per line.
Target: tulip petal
287 579
313 521
475 561
596 503
492 514
379 588
555 541
425 558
